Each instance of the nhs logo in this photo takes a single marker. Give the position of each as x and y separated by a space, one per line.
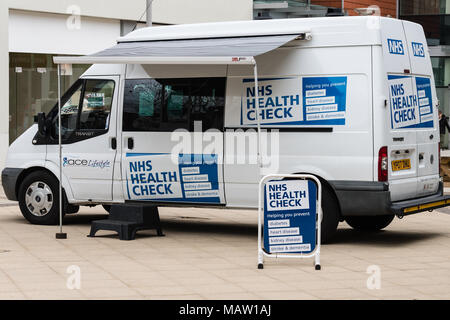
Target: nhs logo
418 49
396 47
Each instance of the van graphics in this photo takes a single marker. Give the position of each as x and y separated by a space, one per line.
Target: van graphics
77 162
418 49
194 178
325 100
322 101
411 102
396 46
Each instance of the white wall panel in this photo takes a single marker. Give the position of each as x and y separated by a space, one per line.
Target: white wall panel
49 33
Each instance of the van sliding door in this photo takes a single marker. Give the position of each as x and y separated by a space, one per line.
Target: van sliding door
173 141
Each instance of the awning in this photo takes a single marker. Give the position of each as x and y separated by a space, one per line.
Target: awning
238 50
228 50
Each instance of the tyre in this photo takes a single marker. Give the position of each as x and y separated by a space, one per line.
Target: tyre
372 223
107 207
331 214
39 198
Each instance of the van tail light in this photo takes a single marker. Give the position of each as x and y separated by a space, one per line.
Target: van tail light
383 166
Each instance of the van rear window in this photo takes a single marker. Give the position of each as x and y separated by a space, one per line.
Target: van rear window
170 104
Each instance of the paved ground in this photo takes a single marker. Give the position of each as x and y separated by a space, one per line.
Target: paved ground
211 254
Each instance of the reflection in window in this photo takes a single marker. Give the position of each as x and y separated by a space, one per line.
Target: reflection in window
142 105
422 7
178 103
170 104
69 114
97 101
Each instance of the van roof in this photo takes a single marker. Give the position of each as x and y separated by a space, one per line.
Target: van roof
359 30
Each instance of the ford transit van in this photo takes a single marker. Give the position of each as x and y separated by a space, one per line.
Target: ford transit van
352 102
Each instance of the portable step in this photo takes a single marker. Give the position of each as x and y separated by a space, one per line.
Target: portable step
127 219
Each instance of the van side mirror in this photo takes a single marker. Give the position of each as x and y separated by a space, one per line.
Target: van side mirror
41 124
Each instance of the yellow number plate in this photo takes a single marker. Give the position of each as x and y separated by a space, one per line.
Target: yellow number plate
398 165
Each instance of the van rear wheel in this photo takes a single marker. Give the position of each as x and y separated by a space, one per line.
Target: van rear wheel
371 223
39 198
331 212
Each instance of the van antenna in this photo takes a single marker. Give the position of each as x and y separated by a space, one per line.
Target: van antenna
149 3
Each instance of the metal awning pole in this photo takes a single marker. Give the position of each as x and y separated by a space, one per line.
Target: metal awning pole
60 234
258 123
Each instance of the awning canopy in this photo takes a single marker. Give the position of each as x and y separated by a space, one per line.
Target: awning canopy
237 50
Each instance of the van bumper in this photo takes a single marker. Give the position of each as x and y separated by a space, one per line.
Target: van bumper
361 198
9 181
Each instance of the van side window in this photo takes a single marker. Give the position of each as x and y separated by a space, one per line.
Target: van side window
85 107
177 105
142 105
170 104
96 107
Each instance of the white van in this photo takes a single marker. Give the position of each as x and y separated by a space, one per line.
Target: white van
352 102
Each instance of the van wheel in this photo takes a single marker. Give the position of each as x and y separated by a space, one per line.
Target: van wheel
371 223
330 218
39 198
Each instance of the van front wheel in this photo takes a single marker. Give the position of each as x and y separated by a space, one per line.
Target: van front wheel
39 198
371 223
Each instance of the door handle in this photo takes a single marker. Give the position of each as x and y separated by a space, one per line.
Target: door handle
130 143
113 143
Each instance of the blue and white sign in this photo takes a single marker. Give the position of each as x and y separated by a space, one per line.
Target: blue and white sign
396 46
322 101
290 216
411 102
418 49
155 177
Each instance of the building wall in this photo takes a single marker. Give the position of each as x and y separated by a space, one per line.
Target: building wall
91 35
164 11
388 7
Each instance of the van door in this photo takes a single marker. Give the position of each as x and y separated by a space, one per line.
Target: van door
172 140
88 115
412 138
427 134
403 111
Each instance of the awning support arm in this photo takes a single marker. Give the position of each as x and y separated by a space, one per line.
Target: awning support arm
60 234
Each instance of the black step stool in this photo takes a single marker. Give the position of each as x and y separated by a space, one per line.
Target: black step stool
127 219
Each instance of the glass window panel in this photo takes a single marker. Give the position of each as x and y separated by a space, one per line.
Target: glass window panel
69 115
34 88
142 105
208 103
184 101
177 105
97 102
421 7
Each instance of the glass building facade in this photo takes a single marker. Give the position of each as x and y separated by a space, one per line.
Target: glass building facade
434 16
33 88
